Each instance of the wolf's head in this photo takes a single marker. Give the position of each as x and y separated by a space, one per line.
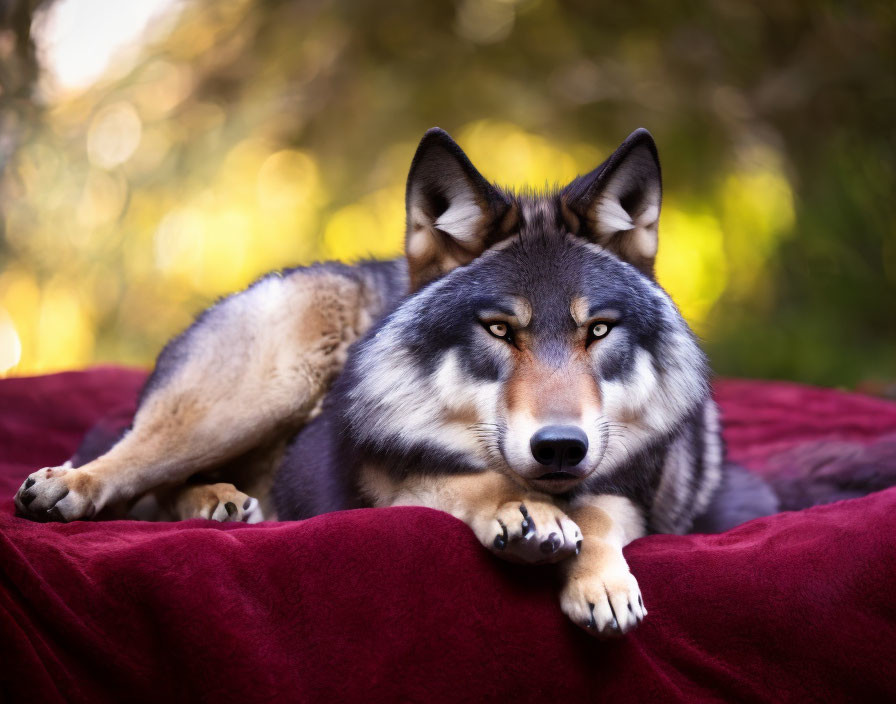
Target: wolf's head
535 340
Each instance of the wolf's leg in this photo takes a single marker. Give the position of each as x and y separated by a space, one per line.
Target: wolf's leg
218 502
517 524
600 593
250 368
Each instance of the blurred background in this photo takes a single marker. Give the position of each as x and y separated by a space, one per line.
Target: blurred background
157 154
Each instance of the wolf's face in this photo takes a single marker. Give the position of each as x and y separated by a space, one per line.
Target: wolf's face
538 343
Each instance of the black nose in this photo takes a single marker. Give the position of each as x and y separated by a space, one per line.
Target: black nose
559 445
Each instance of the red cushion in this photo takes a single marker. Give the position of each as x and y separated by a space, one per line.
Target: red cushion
403 604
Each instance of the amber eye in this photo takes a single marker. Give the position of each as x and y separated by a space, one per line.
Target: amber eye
599 330
501 330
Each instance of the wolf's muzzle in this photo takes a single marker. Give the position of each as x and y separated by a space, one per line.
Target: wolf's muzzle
561 447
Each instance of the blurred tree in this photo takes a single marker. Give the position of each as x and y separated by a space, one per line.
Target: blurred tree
245 136
18 74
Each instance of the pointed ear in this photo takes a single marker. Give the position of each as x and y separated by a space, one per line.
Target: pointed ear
453 213
618 204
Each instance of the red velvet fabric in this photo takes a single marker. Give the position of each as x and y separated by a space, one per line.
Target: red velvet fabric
404 605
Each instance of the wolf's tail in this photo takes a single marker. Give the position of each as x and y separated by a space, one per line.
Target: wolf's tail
823 472
807 475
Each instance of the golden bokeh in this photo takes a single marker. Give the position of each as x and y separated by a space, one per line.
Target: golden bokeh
224 140
229 230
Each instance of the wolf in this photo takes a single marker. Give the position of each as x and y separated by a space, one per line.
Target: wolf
519 368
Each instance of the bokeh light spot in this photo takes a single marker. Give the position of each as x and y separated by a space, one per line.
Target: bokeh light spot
509 155
485 21
114 135
286 180
10 344
177 243
757 213
691 264
102 200
64 328
373 227
77 39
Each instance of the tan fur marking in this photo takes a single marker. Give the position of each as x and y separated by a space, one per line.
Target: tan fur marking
608 524
458 495
82 483
514 321
463 417
517 393
600 594
523 310
579 310
593 521
542 393
572 221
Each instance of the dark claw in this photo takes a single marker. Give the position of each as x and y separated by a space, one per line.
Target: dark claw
501 540
230 507
246 503
614 624
640 603
29 482
551 544
528 525
630 609
591 623
578 546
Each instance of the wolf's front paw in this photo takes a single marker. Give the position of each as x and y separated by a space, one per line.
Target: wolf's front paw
57 494
532 530
604 603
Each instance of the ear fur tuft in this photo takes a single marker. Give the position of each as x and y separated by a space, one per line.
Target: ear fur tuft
453 213
618 204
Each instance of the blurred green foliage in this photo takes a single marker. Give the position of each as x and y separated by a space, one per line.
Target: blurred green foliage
246 136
